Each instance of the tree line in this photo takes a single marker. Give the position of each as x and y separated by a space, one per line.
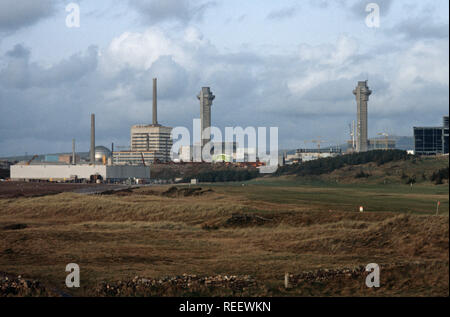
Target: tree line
228 175
329 164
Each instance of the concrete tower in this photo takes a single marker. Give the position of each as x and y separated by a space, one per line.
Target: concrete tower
155 100
206 98
362 93
74 159
92 152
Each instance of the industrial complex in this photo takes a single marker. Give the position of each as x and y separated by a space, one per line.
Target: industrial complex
152 144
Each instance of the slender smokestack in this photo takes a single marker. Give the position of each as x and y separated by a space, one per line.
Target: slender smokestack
155 98
92 152
73 153
112 153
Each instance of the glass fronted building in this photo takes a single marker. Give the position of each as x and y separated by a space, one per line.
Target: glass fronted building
431 140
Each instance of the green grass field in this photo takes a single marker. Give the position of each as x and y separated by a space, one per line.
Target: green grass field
418 199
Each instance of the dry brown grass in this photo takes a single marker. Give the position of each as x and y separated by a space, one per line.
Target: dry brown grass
116 237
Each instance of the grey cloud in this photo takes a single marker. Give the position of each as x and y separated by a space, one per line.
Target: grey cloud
70 70
420 28
16 14
282 13
21 74
324 4
172 79
19 51
183 11
16 72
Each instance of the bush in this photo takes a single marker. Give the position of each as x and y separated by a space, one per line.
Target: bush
411 180
229 175
439 176
361 174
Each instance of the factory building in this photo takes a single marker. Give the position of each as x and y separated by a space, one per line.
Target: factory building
61 158
153 141
375 144
50 172
381 144
220 152
152 138
135 158
305 155
432 140
185 153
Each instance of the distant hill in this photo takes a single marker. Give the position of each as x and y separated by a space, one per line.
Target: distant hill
404 142
380 167
40 158
329 164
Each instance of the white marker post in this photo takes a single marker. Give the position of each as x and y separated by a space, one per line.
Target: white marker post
286 280
361 209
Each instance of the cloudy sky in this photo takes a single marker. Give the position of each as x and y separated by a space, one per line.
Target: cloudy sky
289 64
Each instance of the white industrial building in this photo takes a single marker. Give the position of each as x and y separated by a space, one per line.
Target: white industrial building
305 155
79 172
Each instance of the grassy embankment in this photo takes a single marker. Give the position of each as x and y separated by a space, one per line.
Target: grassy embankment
312 224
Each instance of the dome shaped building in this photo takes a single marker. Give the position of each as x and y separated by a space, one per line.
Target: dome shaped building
100 153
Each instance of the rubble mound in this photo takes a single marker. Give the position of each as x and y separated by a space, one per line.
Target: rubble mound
121 192
175 192
240 220
178 285
15 226
322 275
11 285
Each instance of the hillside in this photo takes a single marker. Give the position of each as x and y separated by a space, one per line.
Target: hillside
253 233
375 167
417 170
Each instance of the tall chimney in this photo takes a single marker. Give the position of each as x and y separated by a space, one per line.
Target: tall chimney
155 98
92 152
112 153
74 160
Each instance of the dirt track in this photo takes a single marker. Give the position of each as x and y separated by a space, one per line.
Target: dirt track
24 189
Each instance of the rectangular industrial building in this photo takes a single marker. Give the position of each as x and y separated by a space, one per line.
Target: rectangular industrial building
152 138
382 144
135 158
80 172
432 140
304 155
